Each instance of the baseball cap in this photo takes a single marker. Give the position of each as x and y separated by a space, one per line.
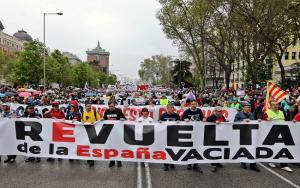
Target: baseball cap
218 108
30 106
55 103
246 104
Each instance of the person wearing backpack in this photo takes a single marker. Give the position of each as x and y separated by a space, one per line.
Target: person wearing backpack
89 116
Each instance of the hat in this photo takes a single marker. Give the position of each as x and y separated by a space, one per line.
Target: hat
218 108
246 104
55 103
5 104
30 106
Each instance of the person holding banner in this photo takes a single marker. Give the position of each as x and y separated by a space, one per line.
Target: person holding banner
74 102
246 115
275 114
113 113
73 115
54 113
170 115
145 116
216 117
7 113
31 113
193 114
90 116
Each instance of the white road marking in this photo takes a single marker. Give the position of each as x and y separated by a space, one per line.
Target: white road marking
280 176
148 175
139 176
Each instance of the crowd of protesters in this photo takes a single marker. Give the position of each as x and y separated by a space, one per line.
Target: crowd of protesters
248 102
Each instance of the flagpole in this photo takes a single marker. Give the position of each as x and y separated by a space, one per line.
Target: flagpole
267 96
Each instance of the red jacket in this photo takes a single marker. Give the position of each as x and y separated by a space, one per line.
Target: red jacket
57 114
297 117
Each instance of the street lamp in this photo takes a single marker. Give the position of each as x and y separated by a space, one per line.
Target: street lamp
44 36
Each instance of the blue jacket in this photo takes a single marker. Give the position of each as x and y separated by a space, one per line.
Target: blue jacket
241 116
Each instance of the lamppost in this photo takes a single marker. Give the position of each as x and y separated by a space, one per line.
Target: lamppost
44 36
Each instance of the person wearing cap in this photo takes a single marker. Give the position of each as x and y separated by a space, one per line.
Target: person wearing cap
273 114
74 102
170 115
31 113
7 113
113 113
54 113
193 114
73 115
246 115
216 117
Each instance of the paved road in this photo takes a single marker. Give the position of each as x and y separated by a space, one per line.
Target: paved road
78 174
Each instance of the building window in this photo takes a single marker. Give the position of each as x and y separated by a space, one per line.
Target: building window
299 56
238 66
243 64
293 55
286 55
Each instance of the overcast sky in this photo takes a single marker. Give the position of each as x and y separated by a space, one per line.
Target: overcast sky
128 29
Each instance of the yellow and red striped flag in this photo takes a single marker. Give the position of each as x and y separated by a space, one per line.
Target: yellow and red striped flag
274 93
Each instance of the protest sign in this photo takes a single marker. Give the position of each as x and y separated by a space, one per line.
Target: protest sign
168 142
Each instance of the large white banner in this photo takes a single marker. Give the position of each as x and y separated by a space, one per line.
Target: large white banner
132 113
168 142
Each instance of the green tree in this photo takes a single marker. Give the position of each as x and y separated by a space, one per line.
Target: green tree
156 70
184 22
29 69
82 73
7 62
61 68
106 79
273 24
52 70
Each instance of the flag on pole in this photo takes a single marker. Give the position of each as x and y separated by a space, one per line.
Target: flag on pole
274 93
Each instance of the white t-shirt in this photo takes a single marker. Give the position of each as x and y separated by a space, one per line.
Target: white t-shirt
142 119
